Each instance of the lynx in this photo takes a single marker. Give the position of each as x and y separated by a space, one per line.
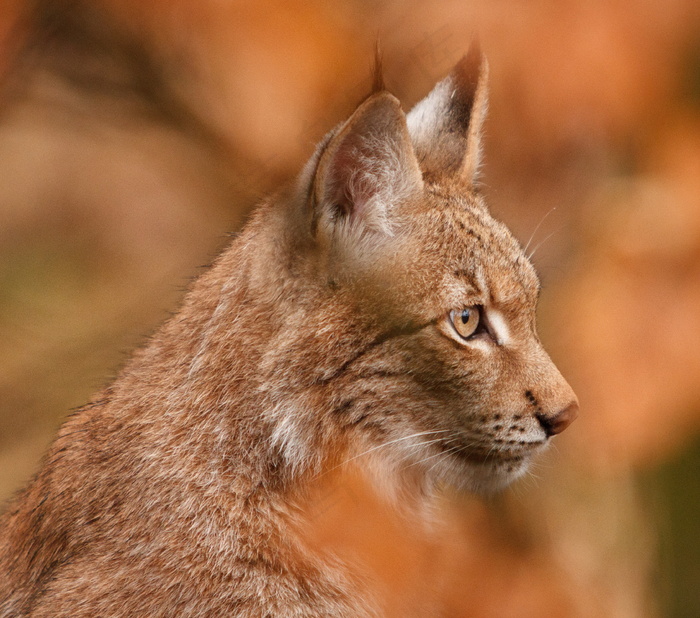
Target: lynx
371 317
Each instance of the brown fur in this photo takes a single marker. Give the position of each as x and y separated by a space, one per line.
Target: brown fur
319 340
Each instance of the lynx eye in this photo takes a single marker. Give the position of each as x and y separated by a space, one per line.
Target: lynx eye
467 322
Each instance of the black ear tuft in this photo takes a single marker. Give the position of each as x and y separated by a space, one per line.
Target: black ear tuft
378 84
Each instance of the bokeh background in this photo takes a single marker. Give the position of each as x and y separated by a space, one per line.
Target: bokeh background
135 136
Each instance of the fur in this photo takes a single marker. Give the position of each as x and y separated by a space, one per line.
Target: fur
321 339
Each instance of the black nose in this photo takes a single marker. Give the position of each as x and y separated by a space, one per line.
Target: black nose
560 421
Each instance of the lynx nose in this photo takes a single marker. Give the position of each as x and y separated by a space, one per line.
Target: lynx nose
557 423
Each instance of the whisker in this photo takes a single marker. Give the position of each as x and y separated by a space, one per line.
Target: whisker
532 478
429 442
420 461
537 227
385 444
445 455
446 452
491 450
539 244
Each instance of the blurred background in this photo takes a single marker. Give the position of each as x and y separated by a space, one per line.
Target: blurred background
135 136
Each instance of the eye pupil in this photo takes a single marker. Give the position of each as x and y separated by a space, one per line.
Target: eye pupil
467 322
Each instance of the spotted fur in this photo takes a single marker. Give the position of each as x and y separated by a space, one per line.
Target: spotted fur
320 338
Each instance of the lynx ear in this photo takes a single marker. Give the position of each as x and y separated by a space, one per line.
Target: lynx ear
367 168
446 126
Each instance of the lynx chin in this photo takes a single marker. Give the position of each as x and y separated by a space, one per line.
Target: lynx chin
373 316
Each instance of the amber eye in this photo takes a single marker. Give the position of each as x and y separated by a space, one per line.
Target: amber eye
467 322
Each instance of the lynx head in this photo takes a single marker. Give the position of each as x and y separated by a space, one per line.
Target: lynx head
413 343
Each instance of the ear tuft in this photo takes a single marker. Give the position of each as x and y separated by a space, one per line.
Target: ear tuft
446 126
378 84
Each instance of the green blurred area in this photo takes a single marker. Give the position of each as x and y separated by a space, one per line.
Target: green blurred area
674 493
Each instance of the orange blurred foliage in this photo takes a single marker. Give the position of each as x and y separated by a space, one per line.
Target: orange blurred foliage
114 193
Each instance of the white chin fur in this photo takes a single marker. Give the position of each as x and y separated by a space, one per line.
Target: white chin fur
483 478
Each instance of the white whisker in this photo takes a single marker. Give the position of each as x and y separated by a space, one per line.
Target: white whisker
537 227
539 244
385 444
420 461
449 450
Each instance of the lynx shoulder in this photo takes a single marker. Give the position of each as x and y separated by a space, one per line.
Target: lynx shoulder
373 315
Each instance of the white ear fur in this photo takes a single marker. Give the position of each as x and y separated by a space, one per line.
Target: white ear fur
367 169
446 126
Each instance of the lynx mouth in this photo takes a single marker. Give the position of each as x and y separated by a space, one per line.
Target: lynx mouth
485 470
500 453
